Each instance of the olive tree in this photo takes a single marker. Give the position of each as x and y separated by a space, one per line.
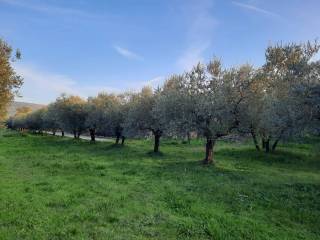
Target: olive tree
307 96
173 108
116 114
95 115
252 107
51 120
34 121
140 119
72 114
288 70
213 97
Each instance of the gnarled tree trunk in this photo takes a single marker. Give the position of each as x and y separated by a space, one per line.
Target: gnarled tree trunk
267 144
92 134
123 138
263 143
157 135
117 138
209 159
62 133
118 132
255 141
274 146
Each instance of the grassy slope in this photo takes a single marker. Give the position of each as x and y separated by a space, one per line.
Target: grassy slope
15 105
54 188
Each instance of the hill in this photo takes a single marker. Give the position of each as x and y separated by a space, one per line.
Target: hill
15 105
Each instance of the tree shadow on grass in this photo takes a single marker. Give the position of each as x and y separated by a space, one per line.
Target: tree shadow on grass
238 163
281 157
155 154
233 155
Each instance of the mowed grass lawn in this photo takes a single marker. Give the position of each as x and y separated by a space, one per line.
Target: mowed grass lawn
58 188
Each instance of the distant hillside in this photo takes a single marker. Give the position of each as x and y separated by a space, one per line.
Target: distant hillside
15 105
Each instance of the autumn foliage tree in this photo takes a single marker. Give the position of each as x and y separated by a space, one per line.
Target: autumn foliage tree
10 81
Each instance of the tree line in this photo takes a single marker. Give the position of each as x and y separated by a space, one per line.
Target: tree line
276 101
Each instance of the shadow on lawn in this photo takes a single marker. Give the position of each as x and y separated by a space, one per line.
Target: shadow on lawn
281 156
243 155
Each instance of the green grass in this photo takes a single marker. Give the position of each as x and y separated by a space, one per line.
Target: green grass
55 188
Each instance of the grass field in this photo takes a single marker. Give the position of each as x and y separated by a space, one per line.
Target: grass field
58 188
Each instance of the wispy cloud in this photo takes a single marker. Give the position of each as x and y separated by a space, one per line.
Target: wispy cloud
50 9
199 35
192 56
154 82
127 53
44 87
256 9
137 85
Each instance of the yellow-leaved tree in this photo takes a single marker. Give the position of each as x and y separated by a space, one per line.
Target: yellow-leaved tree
10 81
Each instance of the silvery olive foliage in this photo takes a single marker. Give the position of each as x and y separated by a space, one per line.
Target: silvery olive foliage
174 108
141 120
106 114
287 80
72 114
50 118
274 102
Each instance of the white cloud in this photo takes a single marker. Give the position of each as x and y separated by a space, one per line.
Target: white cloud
127 53
199 35
137 85
256 9
44 87
154 82
192 56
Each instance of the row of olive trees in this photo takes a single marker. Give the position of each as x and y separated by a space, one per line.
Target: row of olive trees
274 102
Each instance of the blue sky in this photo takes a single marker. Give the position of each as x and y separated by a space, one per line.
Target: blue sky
84 47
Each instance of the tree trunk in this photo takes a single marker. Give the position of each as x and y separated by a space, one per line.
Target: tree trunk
209 152
255 141
274 146
62 133
78 134
189 137
53 133
122 140
263 143
117 139
74 134
92 132
156 142
267 143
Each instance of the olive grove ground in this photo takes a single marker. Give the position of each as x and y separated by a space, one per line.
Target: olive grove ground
59 188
